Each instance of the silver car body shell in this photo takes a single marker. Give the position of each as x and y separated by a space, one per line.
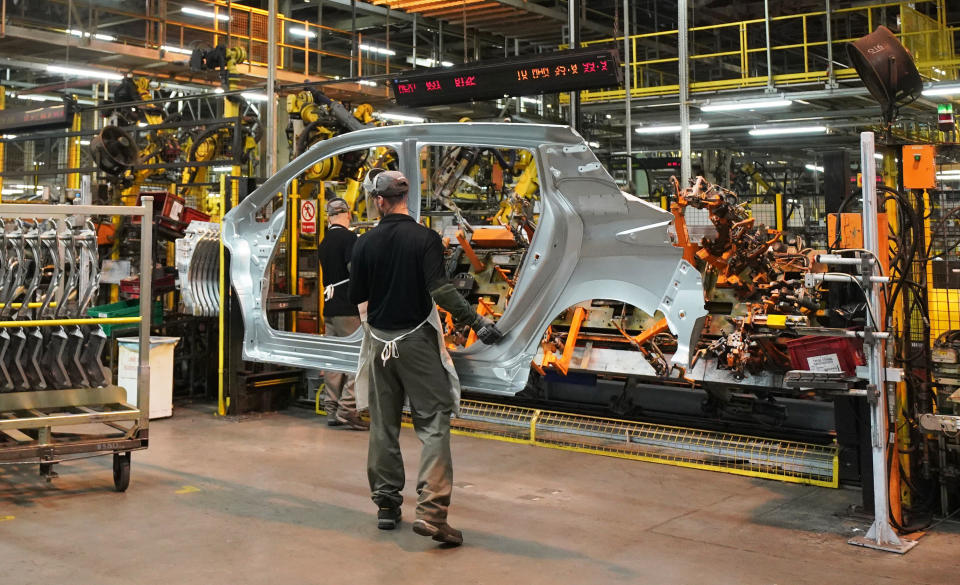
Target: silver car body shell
592 241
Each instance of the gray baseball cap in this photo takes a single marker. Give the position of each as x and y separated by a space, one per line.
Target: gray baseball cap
384 183
337 206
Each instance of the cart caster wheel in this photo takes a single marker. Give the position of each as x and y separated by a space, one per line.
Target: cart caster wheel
121 471
47 472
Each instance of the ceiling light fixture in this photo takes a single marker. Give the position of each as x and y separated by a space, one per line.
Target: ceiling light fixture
367 82
668 129
814 168
745 105
429 62
788 130
302 32
942 90
207 13
254 96
77 72
99 37
401 117
172 49
379 50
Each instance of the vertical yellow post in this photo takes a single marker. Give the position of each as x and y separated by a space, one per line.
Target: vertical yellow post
778 201
899 492
664 203
73 154
3 105
221 406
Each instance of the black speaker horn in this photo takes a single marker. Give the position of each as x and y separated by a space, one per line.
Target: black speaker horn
886 69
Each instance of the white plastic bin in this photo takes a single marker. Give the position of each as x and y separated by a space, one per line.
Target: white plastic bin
161 372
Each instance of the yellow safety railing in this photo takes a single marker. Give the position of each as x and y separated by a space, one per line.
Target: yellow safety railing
929 39
300 43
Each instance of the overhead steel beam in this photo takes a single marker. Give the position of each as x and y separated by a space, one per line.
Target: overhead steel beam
483 17
468 8
470 16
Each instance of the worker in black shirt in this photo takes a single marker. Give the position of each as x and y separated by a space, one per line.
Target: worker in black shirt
339 314
397 270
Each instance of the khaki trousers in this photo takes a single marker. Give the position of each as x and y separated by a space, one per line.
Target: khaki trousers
417 375
339 393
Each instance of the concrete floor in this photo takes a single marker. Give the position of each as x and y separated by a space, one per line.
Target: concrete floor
281 498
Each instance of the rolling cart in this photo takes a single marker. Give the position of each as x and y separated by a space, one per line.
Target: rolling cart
57 402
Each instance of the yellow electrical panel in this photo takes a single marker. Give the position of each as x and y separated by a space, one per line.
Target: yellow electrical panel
919 169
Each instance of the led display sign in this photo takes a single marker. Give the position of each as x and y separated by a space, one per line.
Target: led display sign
483 80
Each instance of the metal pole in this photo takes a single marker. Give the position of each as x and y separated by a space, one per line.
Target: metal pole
766 19
414 40
146 295
831 75
685 167
353 38
573 27
271 104
627 80
881 535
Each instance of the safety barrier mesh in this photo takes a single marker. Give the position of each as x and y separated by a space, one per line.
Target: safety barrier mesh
789 461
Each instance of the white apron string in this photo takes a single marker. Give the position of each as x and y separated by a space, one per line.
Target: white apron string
390 349
328 291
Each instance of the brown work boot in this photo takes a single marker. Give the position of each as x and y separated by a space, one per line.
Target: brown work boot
353 420
439 531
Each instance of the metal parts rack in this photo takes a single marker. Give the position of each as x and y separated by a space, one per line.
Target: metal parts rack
33 415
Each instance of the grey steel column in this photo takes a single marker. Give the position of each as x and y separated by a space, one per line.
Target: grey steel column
685 167
271 103
766 23
881 534
414 40
354 50
831 74
573 30
627 80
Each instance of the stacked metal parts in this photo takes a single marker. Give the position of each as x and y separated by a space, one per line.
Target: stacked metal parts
49 271
198 264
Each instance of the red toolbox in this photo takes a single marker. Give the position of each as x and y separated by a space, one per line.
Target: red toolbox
167 208
826 354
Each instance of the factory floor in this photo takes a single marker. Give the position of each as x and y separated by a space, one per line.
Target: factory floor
281 498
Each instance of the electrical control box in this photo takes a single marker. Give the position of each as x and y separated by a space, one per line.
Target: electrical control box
919 169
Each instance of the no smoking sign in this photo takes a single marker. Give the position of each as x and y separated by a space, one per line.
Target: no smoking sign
308 216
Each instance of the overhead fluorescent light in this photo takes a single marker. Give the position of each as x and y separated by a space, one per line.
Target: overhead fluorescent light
950 172
942 90
254 96
379 50
593 144
172 49
78 72
878 156
400 117
8 136
36 97
608 116
302 32
367 82
206 13
529 100
429 62
788 130
946 177
745 105
814 168
11 192
98 36
84 143
225 169
218 90
668 129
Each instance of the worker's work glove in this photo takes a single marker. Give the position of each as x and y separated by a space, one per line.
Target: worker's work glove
486 330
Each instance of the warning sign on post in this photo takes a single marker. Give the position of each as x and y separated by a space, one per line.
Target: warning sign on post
308 216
